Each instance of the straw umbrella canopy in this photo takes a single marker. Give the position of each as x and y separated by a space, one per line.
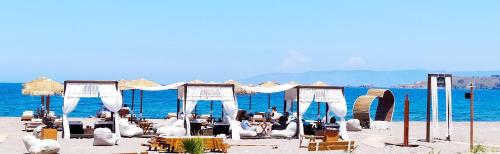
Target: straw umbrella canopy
140 83
196 81
269 84
123 85
43 87
319 84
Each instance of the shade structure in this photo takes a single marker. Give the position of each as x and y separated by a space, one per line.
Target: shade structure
140 83
43 87
196 82
385 107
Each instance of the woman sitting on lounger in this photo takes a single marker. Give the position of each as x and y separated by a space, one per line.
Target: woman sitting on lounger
245 124
282 122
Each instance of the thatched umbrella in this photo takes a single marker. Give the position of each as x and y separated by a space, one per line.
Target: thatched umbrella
43 87
140 83
268 84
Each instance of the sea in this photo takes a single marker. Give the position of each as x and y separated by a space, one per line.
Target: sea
159 103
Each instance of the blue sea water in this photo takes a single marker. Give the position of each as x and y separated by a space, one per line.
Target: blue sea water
158 104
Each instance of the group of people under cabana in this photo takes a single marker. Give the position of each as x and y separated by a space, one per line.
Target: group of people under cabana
286 124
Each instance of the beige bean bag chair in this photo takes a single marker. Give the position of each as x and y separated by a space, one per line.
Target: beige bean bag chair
168 122
353 125
176 129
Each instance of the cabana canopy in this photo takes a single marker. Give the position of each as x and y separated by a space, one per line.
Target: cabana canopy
191 93
106 90
385 107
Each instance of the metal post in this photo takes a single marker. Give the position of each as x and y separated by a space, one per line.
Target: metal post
319 108
269 102
428 123
186 117
42 106
327 113
178 107
406 121
211 110
47 105
284 106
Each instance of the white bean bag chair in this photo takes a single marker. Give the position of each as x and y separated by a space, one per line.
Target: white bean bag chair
36 146
246 133
129 130
104 137
171 131
380 125
168 122
290 131
353 125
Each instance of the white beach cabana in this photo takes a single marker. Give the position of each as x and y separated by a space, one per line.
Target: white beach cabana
331 95
191 93
106 90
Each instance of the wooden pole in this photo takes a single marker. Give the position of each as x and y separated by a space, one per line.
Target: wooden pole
428 123
47 105
250 105
42 106
327 115
269 102
406 122
186 117
284 106
319 108
471 140
133 97
141 103
211 109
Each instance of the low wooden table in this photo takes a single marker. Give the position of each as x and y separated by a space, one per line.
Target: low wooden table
145 126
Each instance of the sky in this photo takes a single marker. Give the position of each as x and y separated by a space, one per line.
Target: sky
170 41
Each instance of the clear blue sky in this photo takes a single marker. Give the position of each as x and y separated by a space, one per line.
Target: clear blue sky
169 41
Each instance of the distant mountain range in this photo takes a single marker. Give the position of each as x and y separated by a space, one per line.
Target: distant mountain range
361 77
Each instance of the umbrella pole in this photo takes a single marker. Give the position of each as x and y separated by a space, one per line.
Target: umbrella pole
43 104
133 95
268 102
319 108
250 102
47 105
141 103
211 110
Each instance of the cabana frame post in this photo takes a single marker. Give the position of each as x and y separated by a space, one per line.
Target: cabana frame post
428 137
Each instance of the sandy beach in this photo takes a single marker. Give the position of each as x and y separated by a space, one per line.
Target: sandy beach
367 141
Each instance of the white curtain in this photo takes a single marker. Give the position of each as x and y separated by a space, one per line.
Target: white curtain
68 106
190 105
231 110
288 107
338 105
434 100
303 105
278 88
449 119
158 88
112 100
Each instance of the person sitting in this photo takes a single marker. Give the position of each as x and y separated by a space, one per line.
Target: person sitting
275 115
245 124
282 122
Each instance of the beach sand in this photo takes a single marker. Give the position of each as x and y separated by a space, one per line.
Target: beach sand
367 141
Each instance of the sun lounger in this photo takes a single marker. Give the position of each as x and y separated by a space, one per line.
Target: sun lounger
27 116
34 123
331 141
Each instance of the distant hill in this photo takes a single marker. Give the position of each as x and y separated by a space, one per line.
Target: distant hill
361 77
